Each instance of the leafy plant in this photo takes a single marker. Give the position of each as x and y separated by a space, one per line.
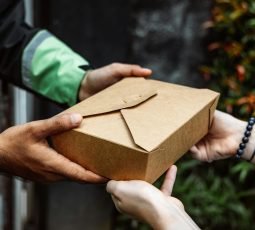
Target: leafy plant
214 194
232 51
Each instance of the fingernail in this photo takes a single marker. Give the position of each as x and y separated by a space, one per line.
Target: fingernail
76 118
148 70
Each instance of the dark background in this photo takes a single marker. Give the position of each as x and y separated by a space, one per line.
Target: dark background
164 35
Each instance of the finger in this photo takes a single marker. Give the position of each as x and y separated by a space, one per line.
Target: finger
194 152
199 153
111 186
116 188
62 166
194 149
168 183
39 177
115 199
126 70
177 202
46 178
52 177
44 128
117 203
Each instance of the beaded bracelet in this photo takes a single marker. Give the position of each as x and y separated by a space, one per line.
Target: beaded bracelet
245 139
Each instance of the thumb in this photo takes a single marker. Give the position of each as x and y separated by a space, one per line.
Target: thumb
168 183
57 124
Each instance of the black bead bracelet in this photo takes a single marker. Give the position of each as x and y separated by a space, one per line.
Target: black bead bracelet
245 139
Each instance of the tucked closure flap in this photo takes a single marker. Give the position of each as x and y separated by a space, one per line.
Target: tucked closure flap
154 121
212 110
127 93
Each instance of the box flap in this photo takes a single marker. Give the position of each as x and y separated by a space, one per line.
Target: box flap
212 110
127 93
153 122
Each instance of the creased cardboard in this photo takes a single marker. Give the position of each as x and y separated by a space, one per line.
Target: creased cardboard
137 128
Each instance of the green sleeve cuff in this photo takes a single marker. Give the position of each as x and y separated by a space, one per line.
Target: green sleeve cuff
52 69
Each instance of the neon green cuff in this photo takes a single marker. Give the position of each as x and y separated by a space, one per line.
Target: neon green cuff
52 69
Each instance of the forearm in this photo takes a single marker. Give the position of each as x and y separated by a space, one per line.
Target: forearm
176 224
52 69
34 59
172 218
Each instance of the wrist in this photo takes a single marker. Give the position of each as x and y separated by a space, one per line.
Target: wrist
169 216
165 216
250 147
84 91
246 145
239 133
161 220
233 137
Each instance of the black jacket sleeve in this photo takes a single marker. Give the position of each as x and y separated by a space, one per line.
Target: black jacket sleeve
14 36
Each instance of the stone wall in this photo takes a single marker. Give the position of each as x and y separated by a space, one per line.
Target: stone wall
167 36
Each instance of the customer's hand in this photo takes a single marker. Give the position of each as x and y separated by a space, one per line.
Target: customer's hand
25 152
98 79
222 139
146 203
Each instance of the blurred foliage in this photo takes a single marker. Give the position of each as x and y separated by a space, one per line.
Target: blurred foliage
232 52
217 195
231 71
222 194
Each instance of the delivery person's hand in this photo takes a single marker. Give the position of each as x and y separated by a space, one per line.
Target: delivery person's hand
223 139
25 152
143 201
98 79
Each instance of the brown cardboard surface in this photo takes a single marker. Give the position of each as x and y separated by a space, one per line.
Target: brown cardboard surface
125 94
137 128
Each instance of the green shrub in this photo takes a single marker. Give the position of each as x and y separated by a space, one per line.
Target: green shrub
232 52
217 195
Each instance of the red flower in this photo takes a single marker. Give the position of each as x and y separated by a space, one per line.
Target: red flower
240 70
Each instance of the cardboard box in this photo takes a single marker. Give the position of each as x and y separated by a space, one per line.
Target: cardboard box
137 128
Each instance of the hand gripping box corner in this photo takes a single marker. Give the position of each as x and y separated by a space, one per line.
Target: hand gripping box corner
137 128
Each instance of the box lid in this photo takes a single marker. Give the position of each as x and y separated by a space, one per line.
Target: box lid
147 111
127 93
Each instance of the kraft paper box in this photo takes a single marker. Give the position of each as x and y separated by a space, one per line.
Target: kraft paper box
137 128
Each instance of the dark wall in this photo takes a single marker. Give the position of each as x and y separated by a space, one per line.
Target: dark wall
168 36
96 29
164 35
